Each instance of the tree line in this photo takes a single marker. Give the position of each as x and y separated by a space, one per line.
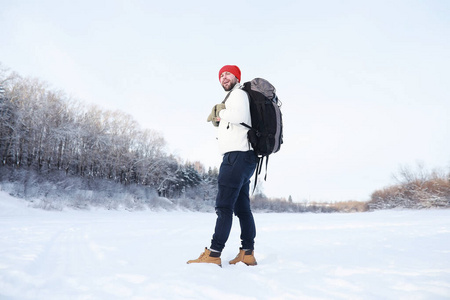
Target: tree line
46 131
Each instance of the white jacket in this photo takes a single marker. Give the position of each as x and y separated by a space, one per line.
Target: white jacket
232 136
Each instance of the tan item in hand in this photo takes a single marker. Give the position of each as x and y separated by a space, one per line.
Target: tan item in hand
215 114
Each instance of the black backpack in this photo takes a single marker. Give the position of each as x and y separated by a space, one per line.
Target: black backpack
266 133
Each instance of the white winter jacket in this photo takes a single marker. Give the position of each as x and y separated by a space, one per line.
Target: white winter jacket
232 136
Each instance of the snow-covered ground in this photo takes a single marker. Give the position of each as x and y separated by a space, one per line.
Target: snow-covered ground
101 254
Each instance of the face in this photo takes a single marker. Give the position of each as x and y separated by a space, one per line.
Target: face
228 81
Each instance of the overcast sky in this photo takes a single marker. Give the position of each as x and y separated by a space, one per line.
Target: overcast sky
364 84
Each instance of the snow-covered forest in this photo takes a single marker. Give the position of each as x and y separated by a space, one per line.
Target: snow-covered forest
44 131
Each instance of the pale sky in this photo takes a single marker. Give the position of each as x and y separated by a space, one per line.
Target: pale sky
364 84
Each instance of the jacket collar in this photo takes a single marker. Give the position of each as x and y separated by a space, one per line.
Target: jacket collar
236 86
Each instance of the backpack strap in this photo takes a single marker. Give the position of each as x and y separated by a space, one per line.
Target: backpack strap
226 97
267 163
257 171
259 168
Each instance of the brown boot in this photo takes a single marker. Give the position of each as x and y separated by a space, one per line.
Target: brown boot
247 257
209 257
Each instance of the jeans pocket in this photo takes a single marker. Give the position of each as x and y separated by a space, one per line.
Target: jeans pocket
231 157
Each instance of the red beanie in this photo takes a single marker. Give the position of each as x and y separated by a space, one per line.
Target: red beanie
232 69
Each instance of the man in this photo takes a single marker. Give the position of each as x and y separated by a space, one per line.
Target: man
239 163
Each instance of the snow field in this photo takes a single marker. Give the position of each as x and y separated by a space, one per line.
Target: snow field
101 254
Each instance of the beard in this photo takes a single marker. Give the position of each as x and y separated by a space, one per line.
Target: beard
228 87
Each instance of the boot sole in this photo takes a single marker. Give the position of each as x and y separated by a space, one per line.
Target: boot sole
244 263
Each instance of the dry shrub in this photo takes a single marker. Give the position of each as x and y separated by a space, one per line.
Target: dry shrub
387 193
415 190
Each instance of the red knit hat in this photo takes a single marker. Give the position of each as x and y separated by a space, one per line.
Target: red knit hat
232 69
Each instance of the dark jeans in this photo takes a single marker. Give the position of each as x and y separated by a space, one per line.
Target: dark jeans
233 196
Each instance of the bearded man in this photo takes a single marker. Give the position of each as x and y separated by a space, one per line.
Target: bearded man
238 165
